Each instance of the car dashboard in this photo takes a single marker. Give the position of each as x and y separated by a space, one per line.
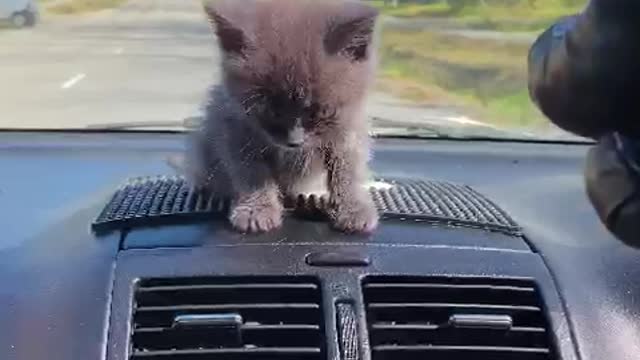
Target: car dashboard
100 259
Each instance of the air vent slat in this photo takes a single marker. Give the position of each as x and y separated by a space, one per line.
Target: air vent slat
231 354
446 318
218 307
450 336
458 352
227 287
441 312
261 314
216 294
421 327
450 286
427 305
169 338
489 349
499 294
252 327
227 318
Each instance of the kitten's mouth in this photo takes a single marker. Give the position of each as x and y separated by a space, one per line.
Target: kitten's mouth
294 145
281 142
288 146
289 142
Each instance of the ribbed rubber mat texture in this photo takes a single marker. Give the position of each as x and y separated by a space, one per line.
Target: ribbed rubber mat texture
159 200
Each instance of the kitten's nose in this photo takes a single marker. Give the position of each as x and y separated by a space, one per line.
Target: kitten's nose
295 141
295 137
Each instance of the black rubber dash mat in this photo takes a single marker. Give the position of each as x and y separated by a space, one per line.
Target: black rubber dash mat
164 200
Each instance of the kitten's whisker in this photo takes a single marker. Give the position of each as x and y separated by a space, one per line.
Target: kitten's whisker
250 109
251 95
250 98
245 146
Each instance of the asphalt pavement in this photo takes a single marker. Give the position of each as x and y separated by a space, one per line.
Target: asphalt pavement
146 61
149 60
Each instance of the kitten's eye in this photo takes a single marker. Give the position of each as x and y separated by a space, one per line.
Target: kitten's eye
326 112
311 110
268 111
307 103
278 103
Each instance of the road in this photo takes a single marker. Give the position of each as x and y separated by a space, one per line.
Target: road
150 60
147 61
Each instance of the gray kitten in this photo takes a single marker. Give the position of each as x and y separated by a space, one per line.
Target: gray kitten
289 111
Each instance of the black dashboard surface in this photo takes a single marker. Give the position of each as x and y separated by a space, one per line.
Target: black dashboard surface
57 276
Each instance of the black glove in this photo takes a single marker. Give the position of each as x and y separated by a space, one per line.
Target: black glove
612 176
584 72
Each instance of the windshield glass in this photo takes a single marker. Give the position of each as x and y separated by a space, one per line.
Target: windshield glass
453 68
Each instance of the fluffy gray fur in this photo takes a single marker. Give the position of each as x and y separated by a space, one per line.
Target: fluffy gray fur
289 110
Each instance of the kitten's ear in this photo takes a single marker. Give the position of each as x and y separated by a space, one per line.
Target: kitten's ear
351 32
232 38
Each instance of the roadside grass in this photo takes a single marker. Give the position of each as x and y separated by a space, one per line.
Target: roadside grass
412 10
499 15
83 6
486 78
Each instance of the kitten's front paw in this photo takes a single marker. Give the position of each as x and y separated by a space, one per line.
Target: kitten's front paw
252 217
358 216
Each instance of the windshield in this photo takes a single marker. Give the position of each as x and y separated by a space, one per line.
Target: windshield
453 68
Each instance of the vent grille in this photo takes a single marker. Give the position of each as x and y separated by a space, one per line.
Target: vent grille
456 318
227 319
163 200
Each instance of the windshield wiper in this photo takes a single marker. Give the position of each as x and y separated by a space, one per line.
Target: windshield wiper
191 122
382 127
388 128
385 127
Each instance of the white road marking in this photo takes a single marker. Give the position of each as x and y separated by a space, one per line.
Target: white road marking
72 81
463 120
118 51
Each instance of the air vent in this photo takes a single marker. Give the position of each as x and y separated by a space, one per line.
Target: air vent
456 318
227 319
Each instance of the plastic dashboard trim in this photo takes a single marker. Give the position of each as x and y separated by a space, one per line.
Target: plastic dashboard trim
338 283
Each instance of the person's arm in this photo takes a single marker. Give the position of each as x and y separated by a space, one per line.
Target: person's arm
612 179
584 76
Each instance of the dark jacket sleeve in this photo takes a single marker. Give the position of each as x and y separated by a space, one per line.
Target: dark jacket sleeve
584 70
612 176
